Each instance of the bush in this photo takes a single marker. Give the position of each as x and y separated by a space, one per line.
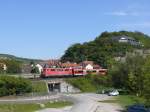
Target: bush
12 86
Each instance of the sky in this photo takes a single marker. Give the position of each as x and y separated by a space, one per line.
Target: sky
44 29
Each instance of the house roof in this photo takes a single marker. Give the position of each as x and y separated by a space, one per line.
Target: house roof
123 36
68 64
84 63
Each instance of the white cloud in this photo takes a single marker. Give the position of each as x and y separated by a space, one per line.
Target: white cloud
136 25
123 13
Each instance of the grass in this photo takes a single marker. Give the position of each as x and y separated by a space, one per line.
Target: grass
31 107
90 83
82 83
39 87
125 100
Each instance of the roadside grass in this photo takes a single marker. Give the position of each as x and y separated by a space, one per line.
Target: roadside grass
82 83
32 107
125 100
39 87
89 83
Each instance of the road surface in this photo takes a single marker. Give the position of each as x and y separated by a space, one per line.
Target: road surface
87 103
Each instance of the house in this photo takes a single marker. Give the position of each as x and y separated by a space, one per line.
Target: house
3 66
89 65
126 39
70 65
53 63
40 68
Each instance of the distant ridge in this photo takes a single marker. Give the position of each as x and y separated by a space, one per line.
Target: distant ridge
25 60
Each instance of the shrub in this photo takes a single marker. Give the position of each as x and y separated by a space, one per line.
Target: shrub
12 86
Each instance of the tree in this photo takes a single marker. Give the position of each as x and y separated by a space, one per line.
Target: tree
12 66
146 81
34 69
129 74
104 48
135 76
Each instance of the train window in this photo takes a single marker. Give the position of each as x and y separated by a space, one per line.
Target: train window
52 69
59 69
66 69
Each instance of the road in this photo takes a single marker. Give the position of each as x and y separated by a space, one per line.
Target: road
87 103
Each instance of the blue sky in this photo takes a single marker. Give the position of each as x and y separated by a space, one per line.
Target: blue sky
46 28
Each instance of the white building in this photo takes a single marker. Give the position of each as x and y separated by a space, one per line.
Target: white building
39 67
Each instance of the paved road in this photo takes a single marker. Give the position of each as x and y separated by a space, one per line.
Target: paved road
87 103
82 103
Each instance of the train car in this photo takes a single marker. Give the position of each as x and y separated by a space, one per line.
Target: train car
57 72
62 72
103 71
79 72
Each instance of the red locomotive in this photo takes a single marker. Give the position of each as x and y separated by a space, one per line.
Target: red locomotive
60 72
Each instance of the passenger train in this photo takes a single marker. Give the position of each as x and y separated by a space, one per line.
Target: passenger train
62 72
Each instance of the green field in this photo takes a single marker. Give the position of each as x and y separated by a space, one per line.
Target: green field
39 87
31 107
84 84
125 100
90 83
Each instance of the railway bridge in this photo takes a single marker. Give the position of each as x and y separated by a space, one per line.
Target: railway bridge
60 85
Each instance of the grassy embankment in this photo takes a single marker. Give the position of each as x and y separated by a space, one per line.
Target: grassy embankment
39 87
125 100
89 83
31 107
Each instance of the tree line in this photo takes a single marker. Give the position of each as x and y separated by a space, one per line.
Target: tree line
103 49
13 66
132 75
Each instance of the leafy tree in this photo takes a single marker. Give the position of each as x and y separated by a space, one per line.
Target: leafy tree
13 66
146 81
104 48
135 76
34 69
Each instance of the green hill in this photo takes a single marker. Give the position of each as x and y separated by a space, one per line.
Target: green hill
25 60
104 48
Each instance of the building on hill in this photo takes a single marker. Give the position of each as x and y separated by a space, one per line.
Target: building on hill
126 39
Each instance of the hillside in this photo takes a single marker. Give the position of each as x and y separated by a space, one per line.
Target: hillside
25 60
103 49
